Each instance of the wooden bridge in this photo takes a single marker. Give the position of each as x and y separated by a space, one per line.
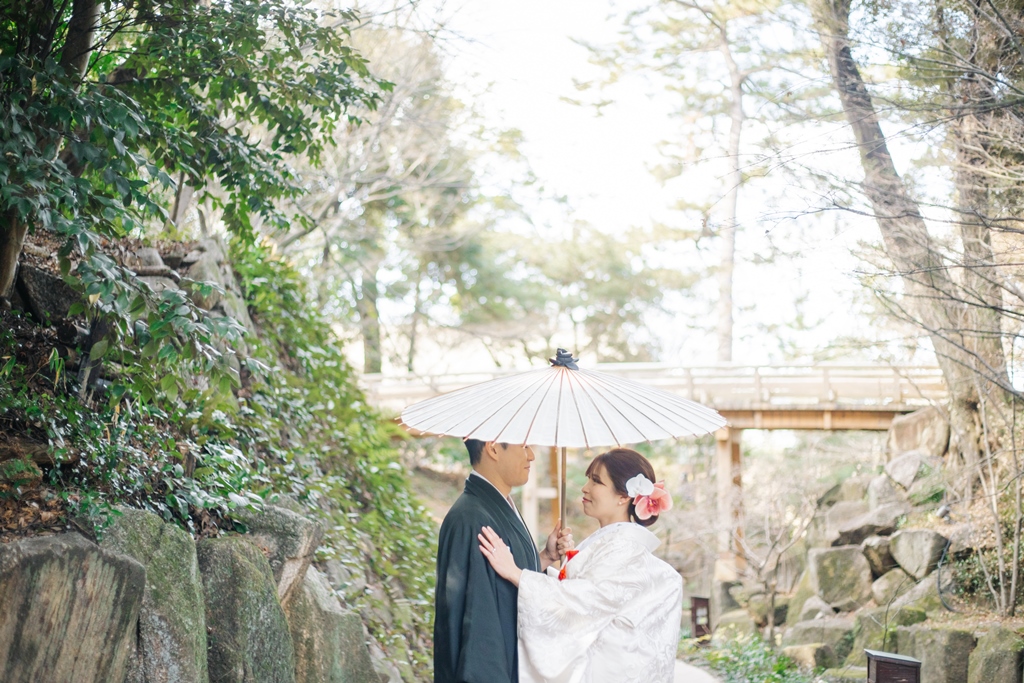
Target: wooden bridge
821 396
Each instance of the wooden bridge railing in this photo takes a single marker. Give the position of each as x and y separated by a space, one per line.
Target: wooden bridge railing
724 387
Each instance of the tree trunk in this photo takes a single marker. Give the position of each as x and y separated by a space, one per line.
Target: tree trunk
933 299
74 59
79 42
369 319
727 229
12 239
417 313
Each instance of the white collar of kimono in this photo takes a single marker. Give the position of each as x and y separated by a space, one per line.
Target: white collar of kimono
508 499
632 529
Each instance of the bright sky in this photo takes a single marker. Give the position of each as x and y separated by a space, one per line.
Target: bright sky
518 62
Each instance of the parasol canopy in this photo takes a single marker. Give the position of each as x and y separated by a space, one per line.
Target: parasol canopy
562 406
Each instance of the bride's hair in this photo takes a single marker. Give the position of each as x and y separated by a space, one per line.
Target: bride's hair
622 464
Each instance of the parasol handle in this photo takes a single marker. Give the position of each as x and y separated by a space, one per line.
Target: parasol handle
561 497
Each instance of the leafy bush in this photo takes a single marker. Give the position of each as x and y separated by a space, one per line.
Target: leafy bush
748 659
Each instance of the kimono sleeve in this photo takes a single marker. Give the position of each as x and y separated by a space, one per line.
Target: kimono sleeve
478 645
560 620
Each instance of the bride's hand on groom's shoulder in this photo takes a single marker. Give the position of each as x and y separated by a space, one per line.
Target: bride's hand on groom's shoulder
499 555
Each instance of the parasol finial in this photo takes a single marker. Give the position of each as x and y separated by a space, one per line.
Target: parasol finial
564 359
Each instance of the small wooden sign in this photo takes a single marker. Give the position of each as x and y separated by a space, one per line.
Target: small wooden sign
886 667
700 617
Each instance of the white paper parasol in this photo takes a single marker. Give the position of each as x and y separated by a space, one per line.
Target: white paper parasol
562 406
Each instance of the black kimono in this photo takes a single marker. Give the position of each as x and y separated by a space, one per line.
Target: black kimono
475 609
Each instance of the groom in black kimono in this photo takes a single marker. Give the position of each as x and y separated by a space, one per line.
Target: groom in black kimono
475 609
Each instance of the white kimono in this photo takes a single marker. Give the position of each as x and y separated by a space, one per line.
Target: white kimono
615 618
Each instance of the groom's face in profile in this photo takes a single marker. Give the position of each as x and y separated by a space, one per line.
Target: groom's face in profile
514 463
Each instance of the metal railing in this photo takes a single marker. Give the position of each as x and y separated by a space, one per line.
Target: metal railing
725 387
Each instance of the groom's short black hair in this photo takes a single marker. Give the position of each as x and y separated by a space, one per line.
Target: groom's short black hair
476 450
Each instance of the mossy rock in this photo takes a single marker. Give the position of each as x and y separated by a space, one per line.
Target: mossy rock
875 629
248 634
289 540
328 640
758 608
999 656
804 591
924 595
172 621
69 613
733 625
841 576
944 651
837 633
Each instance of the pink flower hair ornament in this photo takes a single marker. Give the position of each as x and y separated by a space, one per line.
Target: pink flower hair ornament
649 499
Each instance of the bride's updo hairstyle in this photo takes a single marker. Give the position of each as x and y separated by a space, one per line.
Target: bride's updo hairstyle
622 464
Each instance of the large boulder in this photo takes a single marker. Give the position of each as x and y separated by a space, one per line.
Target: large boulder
722 600
891 585
289 539
803 592
917 551
924 430
815 608
842 513
875 629
172 622
248 635
329 642
882 492
206 269
999 656
944 652
812 656
758 607
878 522
851 489
734 624
924 595
906 468
836 632
47 297
876 550
841 576
70 611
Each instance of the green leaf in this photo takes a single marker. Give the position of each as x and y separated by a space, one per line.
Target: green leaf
98 350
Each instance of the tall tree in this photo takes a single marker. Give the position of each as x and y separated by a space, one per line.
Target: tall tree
967 344
701 52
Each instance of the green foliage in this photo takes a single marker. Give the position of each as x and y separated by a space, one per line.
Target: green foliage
222 96
297 425
750 660
309 418
209 94
132 453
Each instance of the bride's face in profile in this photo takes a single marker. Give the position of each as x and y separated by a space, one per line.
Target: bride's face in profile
601 501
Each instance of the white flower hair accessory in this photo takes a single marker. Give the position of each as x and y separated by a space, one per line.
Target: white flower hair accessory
639 486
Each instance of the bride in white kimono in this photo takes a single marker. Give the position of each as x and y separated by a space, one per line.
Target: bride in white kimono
612 613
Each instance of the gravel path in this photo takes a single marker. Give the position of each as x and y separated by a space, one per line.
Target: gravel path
691 674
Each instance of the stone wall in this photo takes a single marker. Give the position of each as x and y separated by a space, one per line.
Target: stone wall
149 605
873 555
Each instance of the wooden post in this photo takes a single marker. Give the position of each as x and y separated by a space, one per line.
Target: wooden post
729 477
